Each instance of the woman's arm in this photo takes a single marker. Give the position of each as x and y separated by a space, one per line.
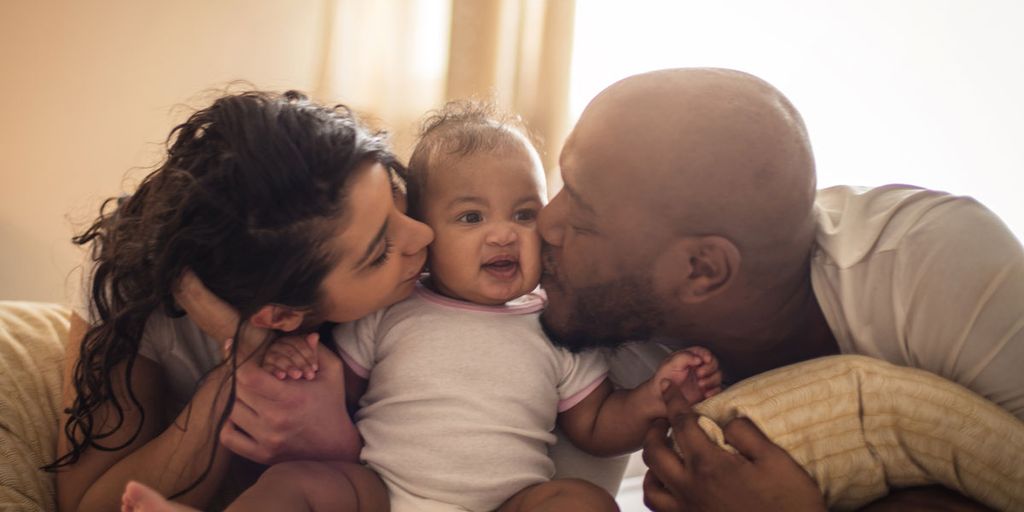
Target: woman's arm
166 457
212 315
284 420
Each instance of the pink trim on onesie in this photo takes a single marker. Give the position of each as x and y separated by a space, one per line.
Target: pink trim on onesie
529 303
569 403
356 367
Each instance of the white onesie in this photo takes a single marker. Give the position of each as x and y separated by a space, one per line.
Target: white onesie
462 398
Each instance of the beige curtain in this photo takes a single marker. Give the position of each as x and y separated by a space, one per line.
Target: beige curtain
519 51
396 59
386 59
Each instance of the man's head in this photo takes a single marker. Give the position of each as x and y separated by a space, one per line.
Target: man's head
688 199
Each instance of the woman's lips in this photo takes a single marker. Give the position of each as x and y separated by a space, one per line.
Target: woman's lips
418 269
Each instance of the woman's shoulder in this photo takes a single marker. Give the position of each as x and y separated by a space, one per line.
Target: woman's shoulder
175 341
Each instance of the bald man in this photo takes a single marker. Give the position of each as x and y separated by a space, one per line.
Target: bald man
690 215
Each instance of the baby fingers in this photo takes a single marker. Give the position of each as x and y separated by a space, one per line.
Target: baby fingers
284 359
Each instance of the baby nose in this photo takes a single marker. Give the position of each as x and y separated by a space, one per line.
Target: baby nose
502 234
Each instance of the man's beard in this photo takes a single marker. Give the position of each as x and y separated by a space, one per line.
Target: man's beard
608 315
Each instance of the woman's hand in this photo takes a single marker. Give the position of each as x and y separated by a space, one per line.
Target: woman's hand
280 420
274 420
761 476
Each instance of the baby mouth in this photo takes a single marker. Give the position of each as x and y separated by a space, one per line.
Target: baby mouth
502 266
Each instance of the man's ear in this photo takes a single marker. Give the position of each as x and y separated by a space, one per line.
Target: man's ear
698 267
281 318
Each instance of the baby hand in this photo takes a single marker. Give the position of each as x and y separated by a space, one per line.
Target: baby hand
694 370
292 357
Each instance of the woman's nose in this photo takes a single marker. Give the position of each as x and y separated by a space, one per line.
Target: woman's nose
418 236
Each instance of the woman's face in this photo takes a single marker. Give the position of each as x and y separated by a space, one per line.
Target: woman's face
382 250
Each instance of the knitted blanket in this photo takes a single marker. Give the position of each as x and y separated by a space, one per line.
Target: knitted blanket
861 426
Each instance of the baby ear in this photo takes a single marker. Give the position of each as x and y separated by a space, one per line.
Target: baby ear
281 318
698 267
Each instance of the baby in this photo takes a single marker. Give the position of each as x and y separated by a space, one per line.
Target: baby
458 388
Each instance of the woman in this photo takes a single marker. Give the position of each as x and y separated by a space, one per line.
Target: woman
286 210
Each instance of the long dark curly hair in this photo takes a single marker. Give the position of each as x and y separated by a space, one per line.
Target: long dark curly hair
249 193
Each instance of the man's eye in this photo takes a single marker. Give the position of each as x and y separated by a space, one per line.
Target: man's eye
526 215
470 217
579 230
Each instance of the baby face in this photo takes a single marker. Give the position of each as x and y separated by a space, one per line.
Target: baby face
483 209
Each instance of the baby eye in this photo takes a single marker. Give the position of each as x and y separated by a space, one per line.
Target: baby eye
526 215
470 218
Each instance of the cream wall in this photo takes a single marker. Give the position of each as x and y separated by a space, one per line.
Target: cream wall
87 94
925 92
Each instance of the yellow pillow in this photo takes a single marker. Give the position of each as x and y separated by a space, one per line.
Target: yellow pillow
32 339
861 426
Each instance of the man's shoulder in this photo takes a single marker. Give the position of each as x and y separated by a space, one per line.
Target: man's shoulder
855 223
901 273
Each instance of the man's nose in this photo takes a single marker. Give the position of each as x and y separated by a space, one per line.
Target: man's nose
551 221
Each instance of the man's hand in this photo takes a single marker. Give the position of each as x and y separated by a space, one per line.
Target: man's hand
761 476
279 420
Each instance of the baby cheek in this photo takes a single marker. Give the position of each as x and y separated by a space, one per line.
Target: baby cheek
531 277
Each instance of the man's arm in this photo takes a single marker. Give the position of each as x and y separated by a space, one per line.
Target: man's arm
934 498
959 276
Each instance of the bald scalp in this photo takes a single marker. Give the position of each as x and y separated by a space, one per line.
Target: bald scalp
712 151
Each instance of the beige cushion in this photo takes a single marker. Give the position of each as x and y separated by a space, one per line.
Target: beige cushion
861 426
32 338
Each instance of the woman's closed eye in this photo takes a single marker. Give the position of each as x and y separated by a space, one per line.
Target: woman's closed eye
384 255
